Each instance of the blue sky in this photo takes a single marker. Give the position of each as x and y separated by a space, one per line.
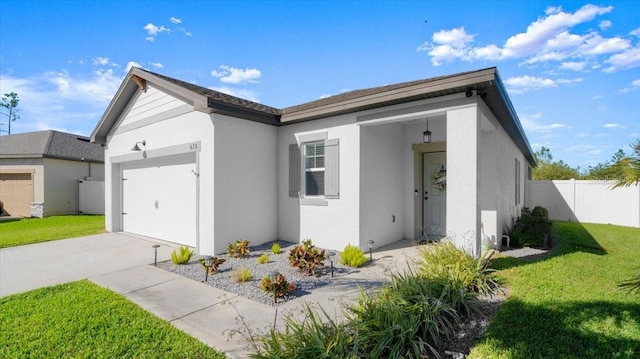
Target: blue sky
572 69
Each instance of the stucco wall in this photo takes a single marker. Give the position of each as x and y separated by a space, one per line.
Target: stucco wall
162 129
246 200
337 223
61 184
382 174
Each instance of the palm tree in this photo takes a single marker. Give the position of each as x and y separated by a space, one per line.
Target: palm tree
634 163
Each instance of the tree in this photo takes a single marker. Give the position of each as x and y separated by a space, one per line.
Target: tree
547 169
633 172
10 103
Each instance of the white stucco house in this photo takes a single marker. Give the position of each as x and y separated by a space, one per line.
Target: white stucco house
41 172
198 167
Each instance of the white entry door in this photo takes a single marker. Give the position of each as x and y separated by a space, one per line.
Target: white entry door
434 194
159 198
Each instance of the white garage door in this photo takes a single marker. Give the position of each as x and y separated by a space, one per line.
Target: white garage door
159 198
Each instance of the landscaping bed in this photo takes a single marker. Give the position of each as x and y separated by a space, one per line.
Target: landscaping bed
252 288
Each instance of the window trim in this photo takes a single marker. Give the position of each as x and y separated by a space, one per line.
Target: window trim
303 198
303 187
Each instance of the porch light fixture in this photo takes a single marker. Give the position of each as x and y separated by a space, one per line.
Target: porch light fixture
426 135
137 148
370 243
155 250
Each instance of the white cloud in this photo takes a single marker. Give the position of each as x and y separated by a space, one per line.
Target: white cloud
569 81
237 76
101 61
61 100
548 39
175 20
131 64
597 97
531 123
153 31
157 65
573 66
624 60
635 84
527 83
612 125
242 93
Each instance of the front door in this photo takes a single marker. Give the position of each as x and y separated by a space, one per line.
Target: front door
435 194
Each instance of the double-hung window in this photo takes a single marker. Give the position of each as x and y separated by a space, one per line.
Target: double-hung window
314 169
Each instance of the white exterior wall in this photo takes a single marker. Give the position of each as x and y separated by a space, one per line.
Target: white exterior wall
160 134
61 179
382 175
246 200
587 201
463 210
338 223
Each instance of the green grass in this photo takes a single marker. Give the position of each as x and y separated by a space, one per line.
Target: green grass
35 230
83 320
569 305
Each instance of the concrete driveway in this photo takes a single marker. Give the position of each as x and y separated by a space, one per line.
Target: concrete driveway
43 264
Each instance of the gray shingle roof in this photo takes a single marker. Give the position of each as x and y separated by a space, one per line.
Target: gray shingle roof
50 144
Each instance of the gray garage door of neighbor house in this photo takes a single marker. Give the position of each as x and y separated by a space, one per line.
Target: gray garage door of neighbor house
16 192
159 198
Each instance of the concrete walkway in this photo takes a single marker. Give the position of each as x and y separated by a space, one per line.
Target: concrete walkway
123 264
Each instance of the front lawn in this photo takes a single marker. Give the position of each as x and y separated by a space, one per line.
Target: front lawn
569 305
35 230
83 320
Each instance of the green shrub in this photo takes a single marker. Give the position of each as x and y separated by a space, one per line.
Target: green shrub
539 211
275 248
444 261
352 256
282 287
531 228
241 275
213 266
239 249
396 325
264 258
306 257
317 336
181 255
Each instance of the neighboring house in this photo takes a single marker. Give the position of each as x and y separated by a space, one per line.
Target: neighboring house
350 168
40 172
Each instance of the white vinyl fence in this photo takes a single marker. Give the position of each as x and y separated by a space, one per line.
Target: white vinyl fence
91 197
586 201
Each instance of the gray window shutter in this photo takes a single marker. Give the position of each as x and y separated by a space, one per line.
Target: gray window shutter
295 173
332 168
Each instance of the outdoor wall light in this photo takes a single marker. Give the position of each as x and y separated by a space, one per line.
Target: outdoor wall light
274 278
137 148
207 264
155 252
331 255
426 135
469 93
370 243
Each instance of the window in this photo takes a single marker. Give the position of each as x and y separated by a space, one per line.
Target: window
314 169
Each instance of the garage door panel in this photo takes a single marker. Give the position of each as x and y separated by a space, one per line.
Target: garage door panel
159 199
16 193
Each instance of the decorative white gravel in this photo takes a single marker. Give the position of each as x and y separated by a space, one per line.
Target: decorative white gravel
251 289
